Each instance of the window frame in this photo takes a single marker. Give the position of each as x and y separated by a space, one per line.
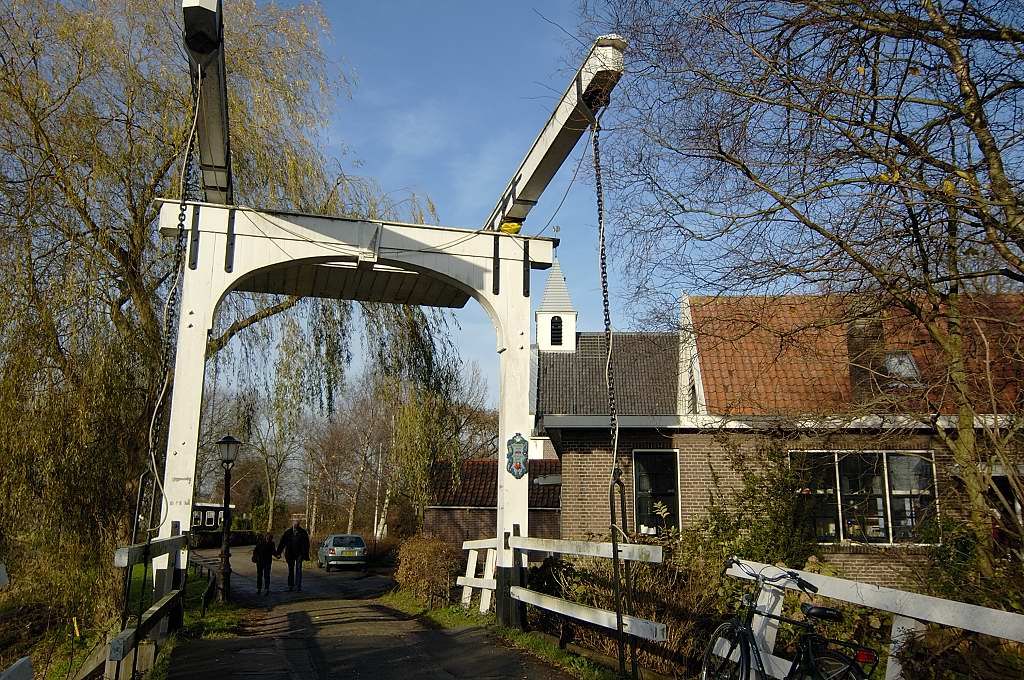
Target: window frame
557 340
679 495
885 453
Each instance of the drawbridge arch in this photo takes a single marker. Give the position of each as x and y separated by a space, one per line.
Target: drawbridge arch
237 249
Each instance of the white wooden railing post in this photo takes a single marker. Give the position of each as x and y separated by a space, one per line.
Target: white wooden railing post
485 594
467 590
903 628
765 629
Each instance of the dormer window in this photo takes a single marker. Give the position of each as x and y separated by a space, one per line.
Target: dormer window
901 368
556 331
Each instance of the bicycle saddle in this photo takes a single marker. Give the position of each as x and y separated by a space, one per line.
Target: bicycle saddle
823 613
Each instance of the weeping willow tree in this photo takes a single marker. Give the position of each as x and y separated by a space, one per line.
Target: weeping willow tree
95 100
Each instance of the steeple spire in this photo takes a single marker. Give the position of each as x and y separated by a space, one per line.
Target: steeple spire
556 293
556 316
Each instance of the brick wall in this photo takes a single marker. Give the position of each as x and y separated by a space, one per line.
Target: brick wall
707 468
455 525
894 567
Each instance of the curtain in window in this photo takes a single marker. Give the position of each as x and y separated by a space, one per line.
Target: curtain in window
911 488
862 490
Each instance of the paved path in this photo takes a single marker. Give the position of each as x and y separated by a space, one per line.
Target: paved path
336 628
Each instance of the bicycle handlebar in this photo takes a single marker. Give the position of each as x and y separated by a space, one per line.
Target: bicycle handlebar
783 574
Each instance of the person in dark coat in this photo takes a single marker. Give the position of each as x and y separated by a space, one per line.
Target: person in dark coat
263 557
295 546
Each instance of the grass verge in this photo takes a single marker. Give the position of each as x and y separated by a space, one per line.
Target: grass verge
221 621
454 616
451 616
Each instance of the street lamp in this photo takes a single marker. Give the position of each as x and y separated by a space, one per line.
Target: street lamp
228 448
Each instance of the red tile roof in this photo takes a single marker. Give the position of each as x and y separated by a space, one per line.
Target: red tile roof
477 486
789 355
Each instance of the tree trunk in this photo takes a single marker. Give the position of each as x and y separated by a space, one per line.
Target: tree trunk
355 496
381 530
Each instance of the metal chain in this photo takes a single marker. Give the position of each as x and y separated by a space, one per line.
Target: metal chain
609 374
179 262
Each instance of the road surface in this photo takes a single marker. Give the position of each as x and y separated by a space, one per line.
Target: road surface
336 628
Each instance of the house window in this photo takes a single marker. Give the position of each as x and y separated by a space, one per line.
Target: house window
197 518
656 481
211 518
869 496
556 330
901 369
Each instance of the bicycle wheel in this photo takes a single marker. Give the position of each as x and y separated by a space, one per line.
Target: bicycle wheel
728 654
834 666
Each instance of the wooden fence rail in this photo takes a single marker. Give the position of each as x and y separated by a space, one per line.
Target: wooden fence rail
19 670
911 612
633 625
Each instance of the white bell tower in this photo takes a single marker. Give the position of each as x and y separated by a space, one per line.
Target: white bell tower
556 316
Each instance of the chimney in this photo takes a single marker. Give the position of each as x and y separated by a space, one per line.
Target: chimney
865 344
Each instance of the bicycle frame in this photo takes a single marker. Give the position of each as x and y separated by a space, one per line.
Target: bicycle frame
746 618
804 660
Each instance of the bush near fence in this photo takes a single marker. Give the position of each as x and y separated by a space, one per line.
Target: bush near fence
428 567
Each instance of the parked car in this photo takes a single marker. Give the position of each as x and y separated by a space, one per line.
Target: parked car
338 550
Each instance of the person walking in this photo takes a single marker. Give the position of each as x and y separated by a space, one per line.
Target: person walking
295 546
263 557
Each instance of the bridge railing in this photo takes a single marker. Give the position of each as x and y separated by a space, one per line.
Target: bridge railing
486 584
521 545
911 611
128 643
123 656
22 668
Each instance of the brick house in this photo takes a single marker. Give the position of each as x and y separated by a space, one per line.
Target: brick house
466 509
798 374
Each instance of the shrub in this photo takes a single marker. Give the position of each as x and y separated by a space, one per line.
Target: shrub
762 518
427 567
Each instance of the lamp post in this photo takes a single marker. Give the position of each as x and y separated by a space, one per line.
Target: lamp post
228 448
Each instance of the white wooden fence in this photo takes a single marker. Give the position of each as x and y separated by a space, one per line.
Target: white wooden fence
633 625
486 584
911 611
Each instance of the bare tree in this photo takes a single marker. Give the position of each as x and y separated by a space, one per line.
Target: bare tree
868 150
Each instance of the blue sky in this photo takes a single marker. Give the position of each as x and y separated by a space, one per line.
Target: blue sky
448 97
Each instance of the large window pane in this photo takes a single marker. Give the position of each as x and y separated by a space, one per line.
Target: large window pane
655 480
912 489
862 489
818 486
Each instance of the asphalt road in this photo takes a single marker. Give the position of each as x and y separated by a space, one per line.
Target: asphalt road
336 628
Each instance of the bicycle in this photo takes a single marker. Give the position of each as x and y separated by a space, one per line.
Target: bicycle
733 647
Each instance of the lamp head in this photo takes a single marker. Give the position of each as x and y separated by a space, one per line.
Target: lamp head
228 448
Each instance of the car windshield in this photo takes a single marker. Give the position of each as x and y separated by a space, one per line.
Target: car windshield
348 542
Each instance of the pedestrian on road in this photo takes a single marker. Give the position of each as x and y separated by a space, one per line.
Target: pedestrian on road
263 557
295 546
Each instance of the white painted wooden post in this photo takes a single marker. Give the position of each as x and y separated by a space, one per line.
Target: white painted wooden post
903 628
485 594
765 629
467 591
